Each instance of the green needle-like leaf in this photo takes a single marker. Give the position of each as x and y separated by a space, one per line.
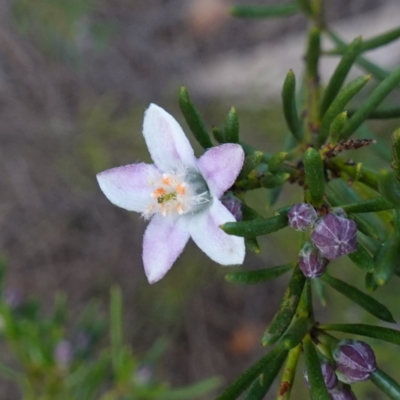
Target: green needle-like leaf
257 227
232 127
315 378
381 113
250 150
389 187
376 332
315 179
375 70
340 74
362 259
289 373
313 52
261 385
356 173
364 226
296 332
250 162
276 161
387 384
396 153
370 283
386 260
193 119
363 300
373 43
337 106
252 245
257 276
373 101
246 379
290 340
287 309
273 11
270 181
319 288
370 67
380 40
396 221
336 127
371 205
289 106
248 214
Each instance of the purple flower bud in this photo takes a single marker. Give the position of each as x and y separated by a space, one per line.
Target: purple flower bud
311 262
342 392
355 360
330 378
302 216
335 236
234 205
63 353
329 375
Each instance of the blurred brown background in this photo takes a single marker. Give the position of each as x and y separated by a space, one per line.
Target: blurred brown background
75 78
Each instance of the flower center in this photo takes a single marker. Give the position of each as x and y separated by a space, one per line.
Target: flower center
180 191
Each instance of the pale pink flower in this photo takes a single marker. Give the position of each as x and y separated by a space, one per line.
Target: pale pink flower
179 194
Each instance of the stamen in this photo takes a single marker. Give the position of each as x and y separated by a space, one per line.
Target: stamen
158 192
181 189
178 192
166 180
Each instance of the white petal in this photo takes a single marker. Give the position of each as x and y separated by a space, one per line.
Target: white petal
128 186
206 232
166 141
220 166
163 242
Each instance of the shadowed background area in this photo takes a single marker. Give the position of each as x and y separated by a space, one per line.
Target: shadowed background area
75 79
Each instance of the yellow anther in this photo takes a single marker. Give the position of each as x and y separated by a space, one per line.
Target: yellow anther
158 192
181 189
166 180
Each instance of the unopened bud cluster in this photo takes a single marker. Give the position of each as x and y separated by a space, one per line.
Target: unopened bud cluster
355 362
332 236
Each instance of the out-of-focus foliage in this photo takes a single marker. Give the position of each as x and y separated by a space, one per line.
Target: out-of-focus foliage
62 29
60 360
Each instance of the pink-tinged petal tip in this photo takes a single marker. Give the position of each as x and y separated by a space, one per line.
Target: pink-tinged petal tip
127 186
220 167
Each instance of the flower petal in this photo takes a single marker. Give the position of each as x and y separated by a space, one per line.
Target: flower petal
163 242
127 186
220 166
206 232
166 141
